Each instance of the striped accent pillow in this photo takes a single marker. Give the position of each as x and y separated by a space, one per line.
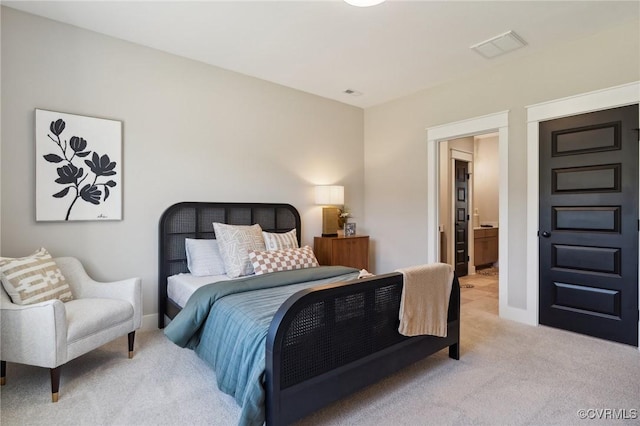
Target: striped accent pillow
265 262
33 279
277 241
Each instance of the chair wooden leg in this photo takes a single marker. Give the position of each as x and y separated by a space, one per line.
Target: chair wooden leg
55 383
132 337
3 373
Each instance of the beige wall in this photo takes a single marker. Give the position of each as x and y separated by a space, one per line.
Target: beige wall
191 132
485 180
396 146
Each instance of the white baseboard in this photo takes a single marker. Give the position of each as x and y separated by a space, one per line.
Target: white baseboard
149 322
519 315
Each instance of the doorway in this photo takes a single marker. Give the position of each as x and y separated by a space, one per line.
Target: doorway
455 195
469 185
498 123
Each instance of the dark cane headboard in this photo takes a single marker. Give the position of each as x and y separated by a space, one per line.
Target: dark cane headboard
195 220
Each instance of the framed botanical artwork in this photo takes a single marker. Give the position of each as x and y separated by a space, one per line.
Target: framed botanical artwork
349 229
78 167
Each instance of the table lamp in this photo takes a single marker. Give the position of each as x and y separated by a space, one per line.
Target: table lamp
330 196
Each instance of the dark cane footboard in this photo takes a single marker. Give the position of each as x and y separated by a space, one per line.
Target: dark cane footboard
330 341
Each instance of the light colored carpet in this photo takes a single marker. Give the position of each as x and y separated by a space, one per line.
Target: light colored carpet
508 373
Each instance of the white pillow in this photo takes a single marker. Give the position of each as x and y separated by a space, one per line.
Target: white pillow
33 279
277 241
265 262
203 257
235 241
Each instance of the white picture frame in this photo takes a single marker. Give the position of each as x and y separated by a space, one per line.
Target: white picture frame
78 167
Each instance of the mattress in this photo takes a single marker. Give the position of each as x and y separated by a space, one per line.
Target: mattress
180 287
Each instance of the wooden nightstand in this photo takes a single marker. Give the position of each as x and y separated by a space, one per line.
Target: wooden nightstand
346 251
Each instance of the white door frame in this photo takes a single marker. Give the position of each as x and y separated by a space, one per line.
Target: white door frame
626 94
497 122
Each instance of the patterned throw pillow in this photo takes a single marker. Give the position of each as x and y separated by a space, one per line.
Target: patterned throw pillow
235 242
276 241
282 260
33 279
203 257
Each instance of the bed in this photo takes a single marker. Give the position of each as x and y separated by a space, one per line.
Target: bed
323 342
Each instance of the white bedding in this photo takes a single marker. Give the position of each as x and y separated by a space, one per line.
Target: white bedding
180 287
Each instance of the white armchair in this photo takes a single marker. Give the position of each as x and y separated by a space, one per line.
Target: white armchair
48 334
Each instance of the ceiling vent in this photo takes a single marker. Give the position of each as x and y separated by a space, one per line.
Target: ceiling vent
499 45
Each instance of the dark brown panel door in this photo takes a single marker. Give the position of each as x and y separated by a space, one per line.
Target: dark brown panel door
461 213
588 235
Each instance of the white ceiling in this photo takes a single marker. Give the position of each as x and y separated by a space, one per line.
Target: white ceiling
324 47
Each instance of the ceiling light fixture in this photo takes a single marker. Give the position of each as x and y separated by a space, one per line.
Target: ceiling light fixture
363 3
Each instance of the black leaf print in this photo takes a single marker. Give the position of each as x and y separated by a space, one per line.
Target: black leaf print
62 193
52 158
72 176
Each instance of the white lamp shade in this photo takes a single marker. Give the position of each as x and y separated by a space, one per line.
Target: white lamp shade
330 195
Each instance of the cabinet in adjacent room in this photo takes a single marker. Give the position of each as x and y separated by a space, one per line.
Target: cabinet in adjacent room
485 245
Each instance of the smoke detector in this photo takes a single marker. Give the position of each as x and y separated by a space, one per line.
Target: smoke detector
499 45
352 92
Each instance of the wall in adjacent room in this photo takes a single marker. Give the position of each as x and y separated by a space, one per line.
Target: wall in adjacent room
191 132
486 175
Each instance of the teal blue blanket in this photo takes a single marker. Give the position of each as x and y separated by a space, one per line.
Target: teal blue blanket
226 323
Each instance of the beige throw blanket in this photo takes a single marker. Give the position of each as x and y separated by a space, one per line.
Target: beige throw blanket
425 299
